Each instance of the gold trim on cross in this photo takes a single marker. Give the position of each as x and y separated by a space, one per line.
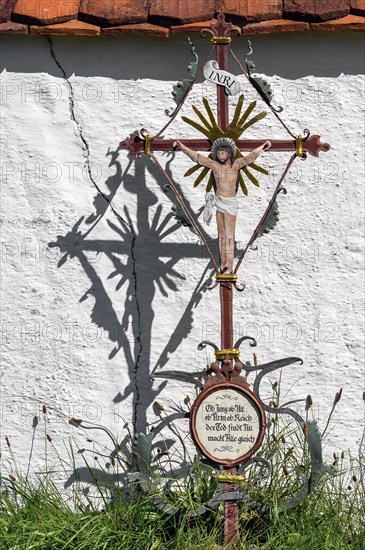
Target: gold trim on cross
229 478
299 146
221 40
226 277
232 353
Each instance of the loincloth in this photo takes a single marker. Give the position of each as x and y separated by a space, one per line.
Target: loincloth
226 205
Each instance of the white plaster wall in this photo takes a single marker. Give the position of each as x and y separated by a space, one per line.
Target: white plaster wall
85 322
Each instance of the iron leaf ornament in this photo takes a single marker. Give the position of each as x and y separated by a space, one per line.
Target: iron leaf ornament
181 88
259 83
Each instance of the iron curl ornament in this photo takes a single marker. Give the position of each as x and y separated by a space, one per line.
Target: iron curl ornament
226 398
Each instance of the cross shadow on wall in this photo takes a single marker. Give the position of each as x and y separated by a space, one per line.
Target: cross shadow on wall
145 270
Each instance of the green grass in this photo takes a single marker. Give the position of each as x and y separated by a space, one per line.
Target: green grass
37 515
41 518
45 523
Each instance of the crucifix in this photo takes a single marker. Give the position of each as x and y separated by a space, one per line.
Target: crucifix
227 420
225 175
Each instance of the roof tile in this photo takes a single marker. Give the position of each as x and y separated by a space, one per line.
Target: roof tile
107 13
6 9
77 28
45 12
349 22
277 25
193 27
85 17
241 11
315 10
145 28
9 27
175 12
358 7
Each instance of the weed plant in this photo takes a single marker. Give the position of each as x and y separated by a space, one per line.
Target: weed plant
276 513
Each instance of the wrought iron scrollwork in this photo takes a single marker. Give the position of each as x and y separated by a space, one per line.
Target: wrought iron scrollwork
313 438
257 460
209 285
206 343
270 367
189 377
250 339
239 286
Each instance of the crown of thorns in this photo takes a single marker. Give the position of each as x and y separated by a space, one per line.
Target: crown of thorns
223 144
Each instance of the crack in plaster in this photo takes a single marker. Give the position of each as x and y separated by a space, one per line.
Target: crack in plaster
138 336
86 148
85 144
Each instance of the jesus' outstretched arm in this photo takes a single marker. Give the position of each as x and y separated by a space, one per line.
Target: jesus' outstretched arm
251 157
196 157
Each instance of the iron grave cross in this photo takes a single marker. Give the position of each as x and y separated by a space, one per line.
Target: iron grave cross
227 165
221 36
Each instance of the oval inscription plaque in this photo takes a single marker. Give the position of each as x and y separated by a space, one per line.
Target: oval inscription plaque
227 424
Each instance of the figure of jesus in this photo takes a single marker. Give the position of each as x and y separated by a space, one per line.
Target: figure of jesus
225 172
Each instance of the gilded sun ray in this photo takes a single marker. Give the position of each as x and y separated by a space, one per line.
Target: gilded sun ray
208 126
